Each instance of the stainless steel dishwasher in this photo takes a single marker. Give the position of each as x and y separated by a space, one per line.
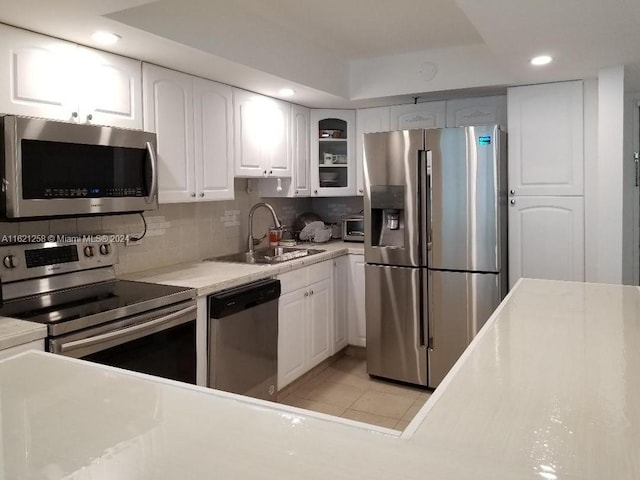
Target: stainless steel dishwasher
243 339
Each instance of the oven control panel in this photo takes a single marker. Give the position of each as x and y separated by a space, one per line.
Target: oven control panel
34 260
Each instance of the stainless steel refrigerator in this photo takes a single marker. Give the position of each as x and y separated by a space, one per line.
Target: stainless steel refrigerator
435 246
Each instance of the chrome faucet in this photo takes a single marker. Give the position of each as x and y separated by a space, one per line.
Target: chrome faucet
276 222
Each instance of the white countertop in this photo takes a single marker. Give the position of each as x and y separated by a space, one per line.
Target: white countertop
549 389
208 277
15 332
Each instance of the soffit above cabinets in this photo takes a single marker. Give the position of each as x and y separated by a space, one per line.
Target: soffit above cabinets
334 53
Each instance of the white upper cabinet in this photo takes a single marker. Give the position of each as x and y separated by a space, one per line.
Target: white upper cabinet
168 112
45 77
368 120
333 153
192 118
463 112
300 117
420 115
546 139
546 238
298 185
213 139
262 135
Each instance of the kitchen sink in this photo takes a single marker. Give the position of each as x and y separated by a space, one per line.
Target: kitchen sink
268 255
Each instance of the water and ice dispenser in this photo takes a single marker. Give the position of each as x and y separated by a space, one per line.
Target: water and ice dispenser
387 215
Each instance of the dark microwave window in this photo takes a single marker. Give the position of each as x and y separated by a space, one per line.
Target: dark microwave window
71 170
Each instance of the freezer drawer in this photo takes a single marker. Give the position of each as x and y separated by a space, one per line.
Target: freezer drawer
459 305
395 347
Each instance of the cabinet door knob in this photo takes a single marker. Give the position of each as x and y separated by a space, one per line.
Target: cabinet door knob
512 192
297 192
201 194
74 114
361 190
89 117
315 191
513 202
270 172
193 194
306 294
311 292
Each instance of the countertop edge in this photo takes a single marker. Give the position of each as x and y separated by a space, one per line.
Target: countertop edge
14 332
200 274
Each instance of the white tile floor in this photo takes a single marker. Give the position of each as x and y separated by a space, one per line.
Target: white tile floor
344 389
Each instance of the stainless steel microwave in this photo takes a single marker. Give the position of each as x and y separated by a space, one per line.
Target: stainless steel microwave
53 169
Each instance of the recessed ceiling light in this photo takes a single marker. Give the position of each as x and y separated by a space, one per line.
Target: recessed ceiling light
105 38
286 92
541 60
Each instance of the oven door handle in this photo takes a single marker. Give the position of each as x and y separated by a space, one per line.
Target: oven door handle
87 346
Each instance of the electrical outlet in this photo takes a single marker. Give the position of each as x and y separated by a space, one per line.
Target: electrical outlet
130 242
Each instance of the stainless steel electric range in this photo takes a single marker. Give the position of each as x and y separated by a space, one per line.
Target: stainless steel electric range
72 288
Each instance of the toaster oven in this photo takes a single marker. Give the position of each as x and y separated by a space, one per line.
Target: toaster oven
353 228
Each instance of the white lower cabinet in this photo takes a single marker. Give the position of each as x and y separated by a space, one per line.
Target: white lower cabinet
292 336
305 320
546 238
357 325
35 345
341 303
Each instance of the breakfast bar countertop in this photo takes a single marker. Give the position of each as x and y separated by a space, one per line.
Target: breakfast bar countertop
549 390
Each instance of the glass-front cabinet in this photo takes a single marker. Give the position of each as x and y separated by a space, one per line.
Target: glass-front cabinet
333 159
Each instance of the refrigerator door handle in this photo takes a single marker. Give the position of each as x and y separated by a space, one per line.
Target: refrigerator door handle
430 320
425 203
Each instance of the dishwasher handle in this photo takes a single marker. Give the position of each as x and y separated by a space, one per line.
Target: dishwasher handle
237 299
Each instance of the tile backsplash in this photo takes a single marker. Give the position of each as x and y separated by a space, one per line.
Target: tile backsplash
331 210
176 233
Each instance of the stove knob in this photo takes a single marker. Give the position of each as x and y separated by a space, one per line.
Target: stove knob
105 249
88 251
10 261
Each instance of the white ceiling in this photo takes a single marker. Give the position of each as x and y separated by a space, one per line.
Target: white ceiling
339 52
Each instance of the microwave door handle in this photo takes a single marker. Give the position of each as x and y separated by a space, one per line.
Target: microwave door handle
118 337
153 191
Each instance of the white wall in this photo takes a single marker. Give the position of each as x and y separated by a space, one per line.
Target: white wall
631 227
609 209
591 179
